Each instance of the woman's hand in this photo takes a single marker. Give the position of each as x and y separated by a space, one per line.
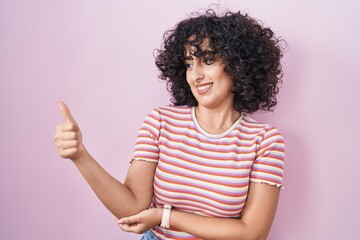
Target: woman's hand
142 221
68 138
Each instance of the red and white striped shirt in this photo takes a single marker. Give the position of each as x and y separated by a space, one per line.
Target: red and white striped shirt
204 173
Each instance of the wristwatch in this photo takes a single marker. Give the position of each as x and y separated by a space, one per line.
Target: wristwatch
165 221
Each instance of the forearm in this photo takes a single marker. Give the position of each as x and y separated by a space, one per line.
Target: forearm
212 228
121 199
116 197
255 222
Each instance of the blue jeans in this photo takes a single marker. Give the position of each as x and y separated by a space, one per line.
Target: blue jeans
149 235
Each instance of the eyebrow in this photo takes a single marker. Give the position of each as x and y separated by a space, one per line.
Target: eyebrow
207 51
190 56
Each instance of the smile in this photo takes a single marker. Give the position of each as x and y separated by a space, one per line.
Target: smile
203 88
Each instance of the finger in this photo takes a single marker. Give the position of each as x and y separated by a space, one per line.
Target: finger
68 153
67 144
125 227
130 228
129 220
125 220
65 112
68 126
63 136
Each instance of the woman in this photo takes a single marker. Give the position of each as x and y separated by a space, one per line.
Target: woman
202 168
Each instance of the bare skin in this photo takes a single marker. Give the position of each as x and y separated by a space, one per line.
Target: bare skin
122 199
129 201
254 224
211 86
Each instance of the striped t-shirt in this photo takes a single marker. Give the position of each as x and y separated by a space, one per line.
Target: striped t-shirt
204 173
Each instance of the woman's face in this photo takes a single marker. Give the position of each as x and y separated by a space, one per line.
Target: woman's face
209 83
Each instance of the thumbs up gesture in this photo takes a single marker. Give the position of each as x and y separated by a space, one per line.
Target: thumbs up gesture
68 138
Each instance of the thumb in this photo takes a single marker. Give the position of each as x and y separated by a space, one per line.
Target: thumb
65 112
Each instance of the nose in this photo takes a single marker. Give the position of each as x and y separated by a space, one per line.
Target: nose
197 72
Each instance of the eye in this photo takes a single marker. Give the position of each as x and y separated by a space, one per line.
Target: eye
209 60
188 65
208 57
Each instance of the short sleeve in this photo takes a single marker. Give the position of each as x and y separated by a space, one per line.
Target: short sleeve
146 146
268 166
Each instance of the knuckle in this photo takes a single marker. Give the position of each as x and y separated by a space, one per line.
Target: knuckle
74 136
62 154
71 125
56 134
58 144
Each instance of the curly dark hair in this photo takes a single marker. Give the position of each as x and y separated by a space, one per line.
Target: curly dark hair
251 54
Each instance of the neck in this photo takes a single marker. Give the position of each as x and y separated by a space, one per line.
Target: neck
216 121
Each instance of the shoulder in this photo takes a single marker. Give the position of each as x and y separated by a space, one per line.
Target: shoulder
172 111
169 113
260 130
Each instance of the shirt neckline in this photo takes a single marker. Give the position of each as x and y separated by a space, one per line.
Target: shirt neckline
210 135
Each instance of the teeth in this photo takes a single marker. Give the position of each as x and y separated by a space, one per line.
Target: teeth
203 87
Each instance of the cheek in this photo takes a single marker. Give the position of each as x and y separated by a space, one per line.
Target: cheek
227 82
187 78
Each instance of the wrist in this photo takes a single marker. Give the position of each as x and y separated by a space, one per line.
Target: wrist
81 156
159 212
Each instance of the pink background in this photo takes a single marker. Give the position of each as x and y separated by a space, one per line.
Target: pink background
97 57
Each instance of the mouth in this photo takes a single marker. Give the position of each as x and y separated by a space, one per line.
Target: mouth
203 88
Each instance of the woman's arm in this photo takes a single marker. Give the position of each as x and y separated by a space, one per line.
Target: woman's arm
121 199
255 222
125 199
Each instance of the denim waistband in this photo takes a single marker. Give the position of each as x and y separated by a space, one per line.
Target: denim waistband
148 235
